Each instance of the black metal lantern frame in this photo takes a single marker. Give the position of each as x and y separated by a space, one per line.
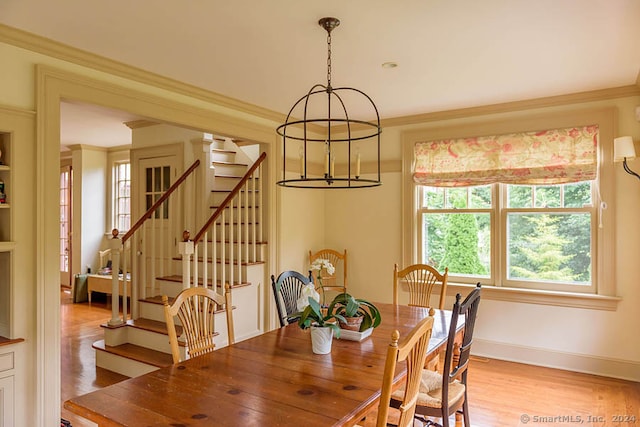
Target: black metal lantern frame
296 133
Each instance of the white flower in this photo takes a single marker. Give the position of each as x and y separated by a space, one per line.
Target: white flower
307 291
320 263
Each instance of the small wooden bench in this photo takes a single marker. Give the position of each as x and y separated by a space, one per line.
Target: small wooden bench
102 283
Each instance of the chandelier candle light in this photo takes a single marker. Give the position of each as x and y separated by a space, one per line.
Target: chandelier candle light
329 136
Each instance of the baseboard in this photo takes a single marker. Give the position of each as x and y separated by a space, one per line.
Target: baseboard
608 367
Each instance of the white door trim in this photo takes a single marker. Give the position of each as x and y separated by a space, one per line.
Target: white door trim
52 86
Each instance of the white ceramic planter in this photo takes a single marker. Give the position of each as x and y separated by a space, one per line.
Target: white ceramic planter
321 339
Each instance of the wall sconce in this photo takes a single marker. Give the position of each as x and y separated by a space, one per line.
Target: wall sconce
623 149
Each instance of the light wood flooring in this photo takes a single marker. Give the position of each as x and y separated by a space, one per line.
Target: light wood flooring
80 328
501 394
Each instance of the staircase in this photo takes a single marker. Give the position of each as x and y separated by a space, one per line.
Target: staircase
228 248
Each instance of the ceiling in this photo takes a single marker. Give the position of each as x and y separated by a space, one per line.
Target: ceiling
450 54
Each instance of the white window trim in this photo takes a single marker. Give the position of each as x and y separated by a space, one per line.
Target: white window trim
114 157
605 297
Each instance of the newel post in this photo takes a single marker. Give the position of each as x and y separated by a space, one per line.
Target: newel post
115 245
186 249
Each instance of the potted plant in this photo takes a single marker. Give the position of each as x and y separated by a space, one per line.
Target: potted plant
359 314
322 324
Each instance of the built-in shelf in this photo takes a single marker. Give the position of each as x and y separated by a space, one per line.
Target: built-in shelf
4 206
4 168
9 341
7 246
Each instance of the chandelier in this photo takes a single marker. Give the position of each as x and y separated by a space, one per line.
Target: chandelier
319 133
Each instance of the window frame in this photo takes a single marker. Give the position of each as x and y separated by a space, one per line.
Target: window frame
115 158
603 275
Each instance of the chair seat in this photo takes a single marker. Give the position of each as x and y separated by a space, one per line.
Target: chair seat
430 394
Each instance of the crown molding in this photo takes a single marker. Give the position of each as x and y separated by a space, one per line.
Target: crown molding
35 43
85 147
137 124
19 111
507 107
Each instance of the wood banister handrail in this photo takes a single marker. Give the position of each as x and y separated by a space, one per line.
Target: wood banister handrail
229 197
160 201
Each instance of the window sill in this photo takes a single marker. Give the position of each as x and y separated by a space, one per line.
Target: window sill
532 296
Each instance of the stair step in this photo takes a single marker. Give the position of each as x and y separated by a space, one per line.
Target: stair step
234 207
230 176
221 150
178 279
153 325
137 353
218 190
218 162
242 242
218 261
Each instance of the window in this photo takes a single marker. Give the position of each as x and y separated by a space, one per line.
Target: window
548 232
546 239
122 196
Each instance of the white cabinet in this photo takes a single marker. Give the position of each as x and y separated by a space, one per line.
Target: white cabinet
7 404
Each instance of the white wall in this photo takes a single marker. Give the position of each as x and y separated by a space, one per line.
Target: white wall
367 223
301 227
89 206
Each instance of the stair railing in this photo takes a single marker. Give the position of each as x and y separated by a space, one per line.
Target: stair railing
157 248
231 236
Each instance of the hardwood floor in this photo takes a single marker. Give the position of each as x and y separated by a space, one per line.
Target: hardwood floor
501 394
80 328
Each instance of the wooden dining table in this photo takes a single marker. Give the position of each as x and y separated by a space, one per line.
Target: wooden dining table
273 379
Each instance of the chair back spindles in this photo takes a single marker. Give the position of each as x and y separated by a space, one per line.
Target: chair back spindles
287 288
469 309
421 280
339 261
413 350
195 308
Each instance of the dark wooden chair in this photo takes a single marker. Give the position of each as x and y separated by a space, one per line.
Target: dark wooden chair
444 394
286 291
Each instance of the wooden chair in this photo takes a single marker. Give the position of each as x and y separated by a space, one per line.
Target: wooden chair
413 350
286 291
421 280
443 394
196 308
339 260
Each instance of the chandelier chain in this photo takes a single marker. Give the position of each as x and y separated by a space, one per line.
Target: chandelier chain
329 59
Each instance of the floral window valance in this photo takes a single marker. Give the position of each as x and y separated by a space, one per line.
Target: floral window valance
546 157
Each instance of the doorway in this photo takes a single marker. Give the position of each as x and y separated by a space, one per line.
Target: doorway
57 85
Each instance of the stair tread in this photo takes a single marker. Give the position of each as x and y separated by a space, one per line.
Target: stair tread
242 242
224 175
222 150
152 325
218 190
234 207
178 279
157 299
218 162
136 352
241 223
235 262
